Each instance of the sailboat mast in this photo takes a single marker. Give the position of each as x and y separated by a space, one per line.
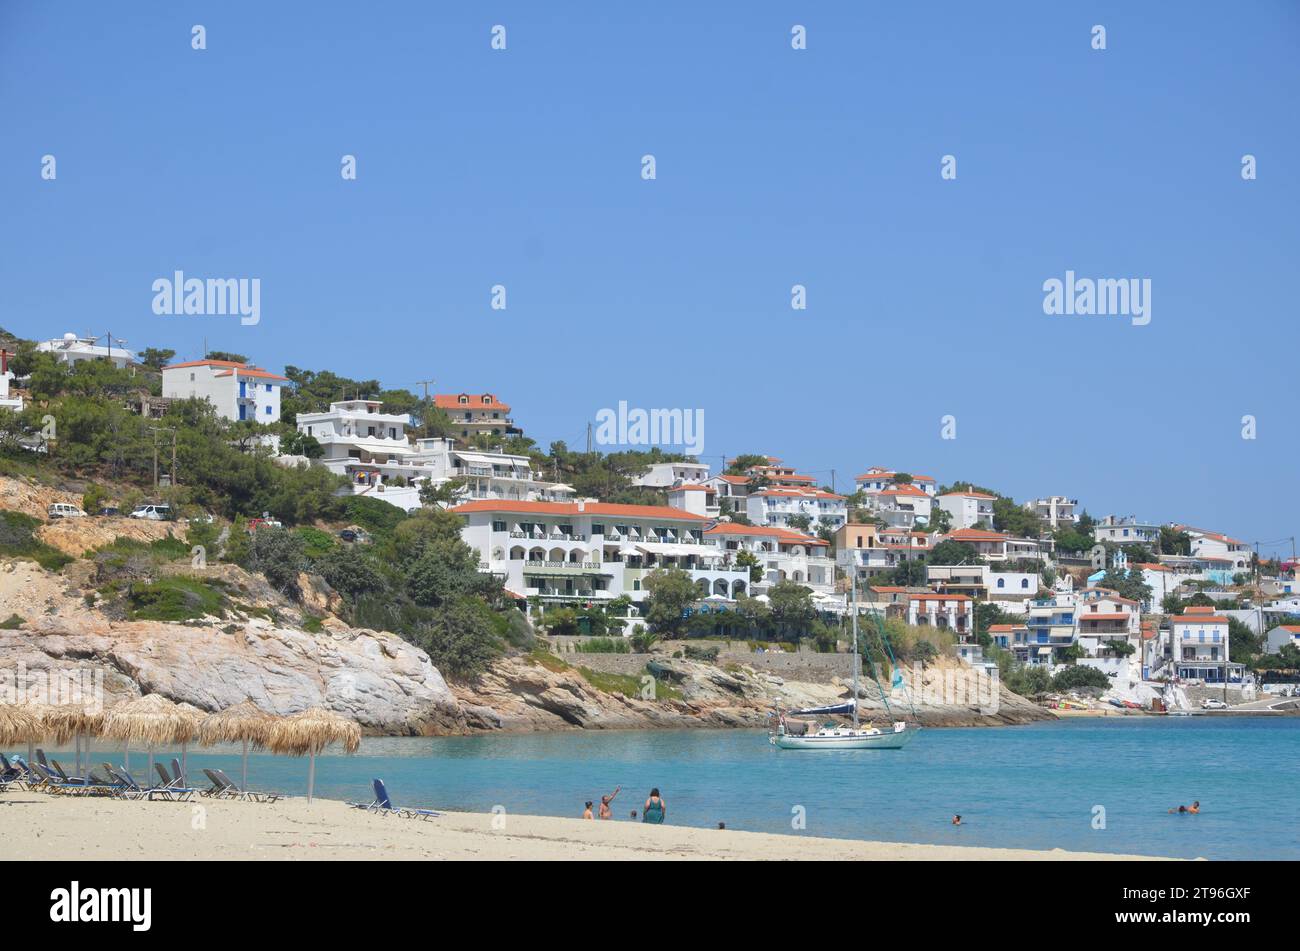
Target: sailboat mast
853 606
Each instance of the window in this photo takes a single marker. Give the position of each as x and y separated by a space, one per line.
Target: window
268 387
597 529
191 377
268 411
1002 582
1024 582
498 526
462 400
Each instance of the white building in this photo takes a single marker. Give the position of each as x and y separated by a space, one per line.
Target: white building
1056 511
482 474
661 475
14 403
694 498
1231 553
877 479
1009 590
776 505
997 546
1282 635
73 349
370 448
238 391
1106 618
904 506
572 552
950 611
1199 648
968 509
869 550
782 555
474 413
1126 530
1053 626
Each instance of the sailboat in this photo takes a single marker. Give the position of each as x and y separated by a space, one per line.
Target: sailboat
795 734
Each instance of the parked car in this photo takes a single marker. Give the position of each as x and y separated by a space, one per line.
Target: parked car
106 510
348 535
204 519
1210 703
255 523
154 513
64 510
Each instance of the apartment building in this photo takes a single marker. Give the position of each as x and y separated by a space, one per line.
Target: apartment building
968 509
869 549
237 391
1229 553
1052 626
573 552
15 402
1199 647
475 413
662 475
1105 619
1126 530
904 506
1056 511
370 447
782 554
776 505
483 474
998 546
877 479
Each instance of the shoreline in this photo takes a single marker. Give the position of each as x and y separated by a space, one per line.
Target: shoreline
45 827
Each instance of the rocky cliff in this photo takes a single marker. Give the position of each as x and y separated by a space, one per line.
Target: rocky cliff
387 685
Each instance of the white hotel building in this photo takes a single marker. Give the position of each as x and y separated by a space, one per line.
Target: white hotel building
577 551
373 450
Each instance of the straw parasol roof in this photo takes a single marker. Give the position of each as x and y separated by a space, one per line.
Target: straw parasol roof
311 731
244 722
64 721
152 720
18 723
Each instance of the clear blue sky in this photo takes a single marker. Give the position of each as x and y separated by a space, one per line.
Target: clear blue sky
775 167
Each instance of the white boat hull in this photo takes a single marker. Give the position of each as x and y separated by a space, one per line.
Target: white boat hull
894 739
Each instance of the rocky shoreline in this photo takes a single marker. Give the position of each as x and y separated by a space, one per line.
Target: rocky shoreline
390 687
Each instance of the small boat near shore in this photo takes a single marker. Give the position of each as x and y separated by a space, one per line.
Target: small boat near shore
792 733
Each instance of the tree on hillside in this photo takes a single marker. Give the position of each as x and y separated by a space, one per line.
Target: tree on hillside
1174 542
227 356
949 552
792 608
156 359
670 591
746 461
1127 584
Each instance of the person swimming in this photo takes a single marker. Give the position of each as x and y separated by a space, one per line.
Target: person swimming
956 820
1193 809
605 811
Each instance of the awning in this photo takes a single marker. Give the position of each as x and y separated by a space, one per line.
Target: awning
475 459
1044 650
669 550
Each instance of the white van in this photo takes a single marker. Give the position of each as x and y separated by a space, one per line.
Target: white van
64 510
155 513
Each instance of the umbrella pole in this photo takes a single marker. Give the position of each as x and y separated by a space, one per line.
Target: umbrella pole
185 768
243 778
126 758
150 773
311 774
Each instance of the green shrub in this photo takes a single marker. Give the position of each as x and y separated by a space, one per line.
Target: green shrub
174 599
604 645
699 652
1072 678
12 623
316 544
18 540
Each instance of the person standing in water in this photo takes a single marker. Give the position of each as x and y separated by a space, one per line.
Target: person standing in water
656 810
586 813
605 811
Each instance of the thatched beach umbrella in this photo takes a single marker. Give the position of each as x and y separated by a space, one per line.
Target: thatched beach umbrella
19 723
72 721
151 721
245 723
44 714
310 732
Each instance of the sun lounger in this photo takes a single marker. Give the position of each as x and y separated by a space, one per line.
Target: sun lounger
223 787
255 795
135 791
383 804
173 785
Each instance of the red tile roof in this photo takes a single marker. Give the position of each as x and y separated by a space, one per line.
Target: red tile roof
474 401
243 369
976 535
571 508
784 535
969 495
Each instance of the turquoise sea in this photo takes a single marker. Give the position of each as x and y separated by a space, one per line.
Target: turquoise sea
1032 786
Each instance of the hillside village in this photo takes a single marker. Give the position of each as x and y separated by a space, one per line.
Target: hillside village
435 516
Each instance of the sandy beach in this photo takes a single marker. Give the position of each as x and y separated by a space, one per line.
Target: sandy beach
39 826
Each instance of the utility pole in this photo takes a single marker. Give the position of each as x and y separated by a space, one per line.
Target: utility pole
589 438
175 481
155 456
